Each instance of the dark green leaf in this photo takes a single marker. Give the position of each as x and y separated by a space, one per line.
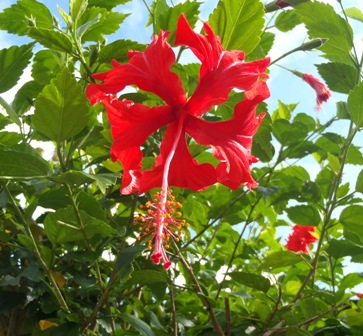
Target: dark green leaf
280 259
324 181
287 20
328 24
18 164
143 328
61 110
354 13
15 19
251 280
63 226
339 77
288 134
343 248
125 259
262 146
239 23
10 300
118 50
355 104
342 110
52 39
25 96
146 277
354 156
303 215
13 61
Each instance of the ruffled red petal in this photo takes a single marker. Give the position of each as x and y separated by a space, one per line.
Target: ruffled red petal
185 172
148 70
221 70
231 140
131 125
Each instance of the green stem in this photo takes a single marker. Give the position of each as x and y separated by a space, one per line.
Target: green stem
54 287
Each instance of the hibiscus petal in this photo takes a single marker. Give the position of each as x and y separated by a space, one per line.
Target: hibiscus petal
185 172
131 124
221 70
148 70
231 142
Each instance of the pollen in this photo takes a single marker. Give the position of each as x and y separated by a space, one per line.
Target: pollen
160 221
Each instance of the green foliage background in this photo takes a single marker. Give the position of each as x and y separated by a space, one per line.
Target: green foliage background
60 218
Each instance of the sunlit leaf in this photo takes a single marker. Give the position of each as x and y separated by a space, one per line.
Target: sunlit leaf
15 19
355 104
61 109
354 13
327 24
13 61
238 23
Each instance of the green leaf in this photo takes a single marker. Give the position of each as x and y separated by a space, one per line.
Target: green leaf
239 23
146 277
359 183
251 280
261 145
342 110
77 178
307 120
118 50
343 248
280 259
20 164
263 48
351 219
107 24
46 65
288 134
77 8
339 77
143 328
108 4
167 20
25 96
15 18
303 215
125 259
355 104
287 20
354 13
52 39
284 111
11 113
13 61
61 110
327 24
62 226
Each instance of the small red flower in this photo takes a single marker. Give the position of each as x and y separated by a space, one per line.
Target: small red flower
322 92
301 238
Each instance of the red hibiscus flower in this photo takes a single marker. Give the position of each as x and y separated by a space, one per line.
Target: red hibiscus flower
301 238
322 92
132 123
